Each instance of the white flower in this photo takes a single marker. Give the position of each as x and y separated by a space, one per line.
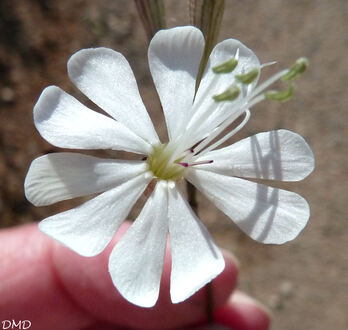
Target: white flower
268 215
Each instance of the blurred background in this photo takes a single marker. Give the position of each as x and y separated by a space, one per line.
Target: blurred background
303 282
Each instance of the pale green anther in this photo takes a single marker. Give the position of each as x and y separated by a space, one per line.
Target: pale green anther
226 67
248 77
280 96
297 69
229 94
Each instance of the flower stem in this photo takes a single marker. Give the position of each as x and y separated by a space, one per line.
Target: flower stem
151 13
210 22
210 12
192 199
192 196
209 305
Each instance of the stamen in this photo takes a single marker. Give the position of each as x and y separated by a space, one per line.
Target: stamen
297 69
268 64
280 96
203 162
197 125
256 100
237 54
184 164
228 121
230 94
194 141
198 113
226 67
248 77
210 86
268 82
229 135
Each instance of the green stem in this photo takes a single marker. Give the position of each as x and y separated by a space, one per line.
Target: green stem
210 23
192 199
152 15
210 304
210 13
192 196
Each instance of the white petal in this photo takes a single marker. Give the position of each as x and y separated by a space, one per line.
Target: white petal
213 84
275 155
136 263
196 260
87 229
55 177
266 214
65 122
174 57
107 79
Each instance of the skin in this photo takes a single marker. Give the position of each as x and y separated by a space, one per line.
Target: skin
55 288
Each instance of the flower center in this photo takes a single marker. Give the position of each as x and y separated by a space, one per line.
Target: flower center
161 165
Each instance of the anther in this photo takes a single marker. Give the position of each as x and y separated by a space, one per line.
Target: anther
248 77
297 69
230 94
280 96
226 67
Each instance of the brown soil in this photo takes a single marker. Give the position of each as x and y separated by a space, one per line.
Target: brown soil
305 281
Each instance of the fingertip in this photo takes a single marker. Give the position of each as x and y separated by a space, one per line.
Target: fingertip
242 298
226 282
243 313
88 282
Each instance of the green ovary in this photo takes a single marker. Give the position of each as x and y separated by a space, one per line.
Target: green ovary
160 166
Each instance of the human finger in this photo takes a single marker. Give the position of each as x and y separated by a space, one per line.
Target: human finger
242 312
46 283
104 302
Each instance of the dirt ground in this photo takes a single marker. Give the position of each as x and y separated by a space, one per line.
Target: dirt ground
303 282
